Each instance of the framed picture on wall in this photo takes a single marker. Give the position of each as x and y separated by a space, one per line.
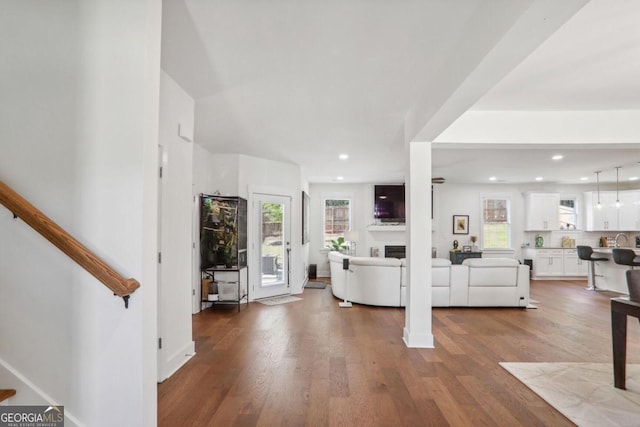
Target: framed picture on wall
306 201
461 224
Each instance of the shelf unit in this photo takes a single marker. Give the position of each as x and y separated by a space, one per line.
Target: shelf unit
223 248
237 286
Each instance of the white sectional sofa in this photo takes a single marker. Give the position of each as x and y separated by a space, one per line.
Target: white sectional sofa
372 281
478 282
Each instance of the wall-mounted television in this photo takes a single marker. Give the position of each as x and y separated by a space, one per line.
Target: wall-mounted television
389 203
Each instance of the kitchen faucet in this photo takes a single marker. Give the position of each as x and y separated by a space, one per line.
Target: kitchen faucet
626 239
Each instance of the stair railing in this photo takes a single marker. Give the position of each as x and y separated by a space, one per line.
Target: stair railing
51 231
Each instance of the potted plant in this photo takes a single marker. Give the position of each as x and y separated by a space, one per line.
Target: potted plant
338 244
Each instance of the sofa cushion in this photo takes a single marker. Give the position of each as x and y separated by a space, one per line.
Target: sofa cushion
490 262
435 262
381 262
336 256
440 262
440 272
492 272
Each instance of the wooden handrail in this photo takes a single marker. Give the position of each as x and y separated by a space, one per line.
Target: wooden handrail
66 243
6 394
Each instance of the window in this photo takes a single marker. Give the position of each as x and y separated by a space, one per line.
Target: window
337 218
496 223
568 214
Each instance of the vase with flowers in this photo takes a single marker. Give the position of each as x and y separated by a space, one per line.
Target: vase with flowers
474 247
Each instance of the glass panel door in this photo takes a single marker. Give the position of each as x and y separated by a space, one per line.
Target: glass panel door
274 246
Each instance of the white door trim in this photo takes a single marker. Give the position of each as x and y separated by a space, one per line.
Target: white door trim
253 237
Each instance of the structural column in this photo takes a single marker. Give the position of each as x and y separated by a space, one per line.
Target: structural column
417 330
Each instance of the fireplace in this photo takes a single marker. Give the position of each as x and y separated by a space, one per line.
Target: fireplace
395 251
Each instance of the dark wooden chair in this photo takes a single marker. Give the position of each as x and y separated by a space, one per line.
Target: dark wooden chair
633 284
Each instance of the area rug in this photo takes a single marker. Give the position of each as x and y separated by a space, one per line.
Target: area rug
279 300
315 285
583 392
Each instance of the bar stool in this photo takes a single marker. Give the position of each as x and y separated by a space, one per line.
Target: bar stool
625 257
585 253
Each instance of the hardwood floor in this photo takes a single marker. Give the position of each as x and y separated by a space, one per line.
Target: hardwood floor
312 363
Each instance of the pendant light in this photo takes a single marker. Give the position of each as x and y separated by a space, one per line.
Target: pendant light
617 192
599 206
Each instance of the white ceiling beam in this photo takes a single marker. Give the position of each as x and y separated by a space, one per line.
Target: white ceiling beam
508 46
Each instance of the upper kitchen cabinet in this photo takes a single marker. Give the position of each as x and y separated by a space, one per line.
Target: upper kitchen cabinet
542 211
628 213
609 217
602 217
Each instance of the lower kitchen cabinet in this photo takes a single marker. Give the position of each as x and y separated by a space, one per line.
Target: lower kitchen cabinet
574 266
556 262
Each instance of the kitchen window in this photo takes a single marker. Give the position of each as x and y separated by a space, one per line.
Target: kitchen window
568 213
496 223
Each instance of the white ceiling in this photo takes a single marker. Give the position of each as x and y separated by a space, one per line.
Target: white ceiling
523 163
302 81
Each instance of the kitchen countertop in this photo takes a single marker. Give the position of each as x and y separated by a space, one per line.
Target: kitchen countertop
611 275
608 250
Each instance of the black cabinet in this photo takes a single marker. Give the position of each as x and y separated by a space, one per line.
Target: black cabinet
457 257
223 248
223 232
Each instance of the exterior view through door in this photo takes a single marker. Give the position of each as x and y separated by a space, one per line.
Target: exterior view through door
274 248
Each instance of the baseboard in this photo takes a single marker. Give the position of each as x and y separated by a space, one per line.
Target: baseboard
417 340
27 393
177 360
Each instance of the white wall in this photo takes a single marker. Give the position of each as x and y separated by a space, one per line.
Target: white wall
78 125
175 281
452 199
268 176
361 216
448 200
241 175
215 172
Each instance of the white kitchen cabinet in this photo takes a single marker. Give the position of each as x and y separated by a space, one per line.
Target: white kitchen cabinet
605 217
574 266
628 213
542 211
548 262
609 217
556 262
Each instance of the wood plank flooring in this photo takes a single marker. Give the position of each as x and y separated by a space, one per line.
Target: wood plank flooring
313 363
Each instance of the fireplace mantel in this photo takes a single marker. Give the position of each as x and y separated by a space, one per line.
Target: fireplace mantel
387 227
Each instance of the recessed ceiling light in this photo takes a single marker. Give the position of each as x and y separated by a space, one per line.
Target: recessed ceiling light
584 178
339 178
539 178
557 157
492 178
633 178
343 156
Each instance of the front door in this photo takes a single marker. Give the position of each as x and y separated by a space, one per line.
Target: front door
273 213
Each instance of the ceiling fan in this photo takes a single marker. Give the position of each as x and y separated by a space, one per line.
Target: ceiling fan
438 180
